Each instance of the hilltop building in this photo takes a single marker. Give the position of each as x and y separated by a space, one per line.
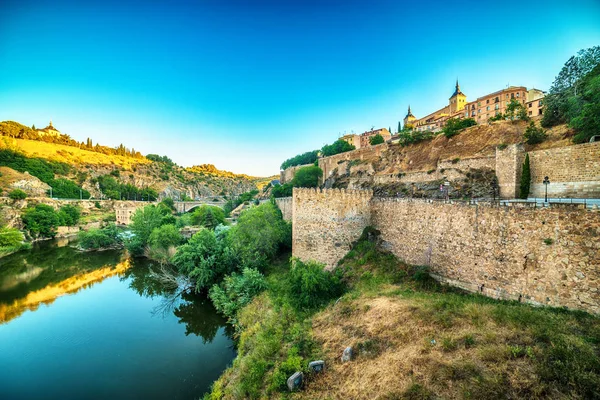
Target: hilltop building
481 109
363 140
50 130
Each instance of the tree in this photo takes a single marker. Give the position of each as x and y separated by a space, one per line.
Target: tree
534 135
399 127
17 194
307 177
305 158
97 239
525 179
33 127
143 222
236 291
208 216
376 139
516 110
561 104
339 146
41 221
165 237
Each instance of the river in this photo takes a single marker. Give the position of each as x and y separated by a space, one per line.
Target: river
96 325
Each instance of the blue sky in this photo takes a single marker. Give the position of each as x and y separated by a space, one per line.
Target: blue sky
246 84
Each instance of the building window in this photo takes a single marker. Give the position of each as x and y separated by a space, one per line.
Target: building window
512 95
487 101
530 112
487 108
479 111
497 100
540 103
497 106
530 104
517 95
507 95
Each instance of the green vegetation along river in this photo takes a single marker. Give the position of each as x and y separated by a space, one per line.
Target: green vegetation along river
96 325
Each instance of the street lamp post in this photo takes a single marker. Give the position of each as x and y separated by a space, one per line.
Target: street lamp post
546 182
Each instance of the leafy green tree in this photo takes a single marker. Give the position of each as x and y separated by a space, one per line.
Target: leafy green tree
534 135
143 222
305 158
307 177
284 190
586 121
339 146
516 110
376 139
168 203
69 215
10 237
205 258
258 235
165 237
208 216
17 194
454 125
41 221
236 291
525 179
562 103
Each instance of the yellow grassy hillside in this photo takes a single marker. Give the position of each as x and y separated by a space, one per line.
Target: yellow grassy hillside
68 154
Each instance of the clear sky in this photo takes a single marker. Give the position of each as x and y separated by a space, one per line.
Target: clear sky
246 84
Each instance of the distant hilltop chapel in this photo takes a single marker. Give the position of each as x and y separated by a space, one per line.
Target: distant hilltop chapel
50 130
481 110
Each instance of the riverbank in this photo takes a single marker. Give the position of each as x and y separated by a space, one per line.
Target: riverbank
411 338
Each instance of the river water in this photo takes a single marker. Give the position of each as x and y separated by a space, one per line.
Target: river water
95 325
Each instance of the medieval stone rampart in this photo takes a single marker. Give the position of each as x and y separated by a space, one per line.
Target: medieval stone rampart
539 255
326 222
285 205
329 164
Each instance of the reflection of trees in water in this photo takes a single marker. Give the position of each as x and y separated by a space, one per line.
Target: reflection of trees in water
51 264
150 279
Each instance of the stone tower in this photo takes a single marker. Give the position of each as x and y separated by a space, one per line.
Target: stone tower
458 100
409 119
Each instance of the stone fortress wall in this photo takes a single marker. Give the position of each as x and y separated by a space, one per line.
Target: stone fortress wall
285 205
545 256
574 171
287 175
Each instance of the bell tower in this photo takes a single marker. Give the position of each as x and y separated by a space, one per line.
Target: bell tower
458 100
409 119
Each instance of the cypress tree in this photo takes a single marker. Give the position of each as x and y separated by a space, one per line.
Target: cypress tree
399 126
525 179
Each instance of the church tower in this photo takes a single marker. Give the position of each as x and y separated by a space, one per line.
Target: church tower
409 119
458 100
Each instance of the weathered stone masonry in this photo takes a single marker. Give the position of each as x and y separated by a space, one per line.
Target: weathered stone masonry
538 255
285 205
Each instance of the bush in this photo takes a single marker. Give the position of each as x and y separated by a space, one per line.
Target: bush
454 126
311 286
284 190
17 194
41 221
96 239
534 135
97 205
236 291
208 216
306 158
69 215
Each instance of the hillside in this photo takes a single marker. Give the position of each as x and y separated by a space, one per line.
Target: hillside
111 172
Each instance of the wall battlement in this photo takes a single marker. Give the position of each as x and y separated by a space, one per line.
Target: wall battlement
547 256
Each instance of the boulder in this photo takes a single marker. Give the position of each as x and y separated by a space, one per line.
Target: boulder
294 382
347 354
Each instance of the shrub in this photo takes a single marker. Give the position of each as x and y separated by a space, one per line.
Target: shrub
236 291
306 158
339 146
17 194
454 126
41 221
97 204
96 239
10 237
534 135
310 286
